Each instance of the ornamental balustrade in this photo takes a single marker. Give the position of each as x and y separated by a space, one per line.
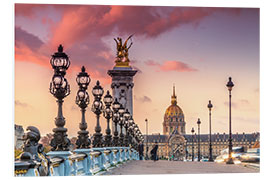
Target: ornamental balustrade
87 162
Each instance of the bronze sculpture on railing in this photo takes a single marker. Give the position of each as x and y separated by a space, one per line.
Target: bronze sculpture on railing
33 151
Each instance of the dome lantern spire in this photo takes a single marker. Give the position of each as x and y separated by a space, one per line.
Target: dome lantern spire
173 98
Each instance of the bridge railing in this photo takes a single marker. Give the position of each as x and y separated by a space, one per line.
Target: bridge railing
79 162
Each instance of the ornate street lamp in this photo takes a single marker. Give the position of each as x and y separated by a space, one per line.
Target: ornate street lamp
60 61
230 86
126 123
192 142
199 148
130 129
82 100
121 111
186 149
132 132
210 134
107 113
136 129
59 88
137 141
83 79
146 152
115 119
97 109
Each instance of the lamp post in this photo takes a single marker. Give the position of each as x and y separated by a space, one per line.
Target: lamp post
137 138
230 86
186 149
97 107
135 135
199 151
115 119
210 134
146 152
59 88
82 100
107 113
126 123
121 111
130 130
192 142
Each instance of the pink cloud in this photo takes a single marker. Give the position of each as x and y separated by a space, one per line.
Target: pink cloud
81 28
166 66
176 66
30 40
25 53
152 63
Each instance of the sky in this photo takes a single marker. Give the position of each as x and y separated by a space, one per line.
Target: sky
195 48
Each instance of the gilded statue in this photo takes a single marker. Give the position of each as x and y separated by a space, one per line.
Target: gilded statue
125 48
119 47
122 51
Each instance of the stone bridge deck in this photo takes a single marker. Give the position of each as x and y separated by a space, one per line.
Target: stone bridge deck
177 167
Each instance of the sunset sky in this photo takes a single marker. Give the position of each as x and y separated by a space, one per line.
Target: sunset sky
195 48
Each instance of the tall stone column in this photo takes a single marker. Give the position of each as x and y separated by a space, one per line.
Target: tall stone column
122 85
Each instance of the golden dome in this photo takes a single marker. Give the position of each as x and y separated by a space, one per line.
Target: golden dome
173 109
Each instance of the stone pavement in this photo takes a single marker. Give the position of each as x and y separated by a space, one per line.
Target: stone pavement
177 167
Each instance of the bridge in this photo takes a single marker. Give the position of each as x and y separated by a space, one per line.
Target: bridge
123 161
100 154
178 167
80 162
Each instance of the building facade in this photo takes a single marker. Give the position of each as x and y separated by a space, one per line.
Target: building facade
175 143
19 132
174 117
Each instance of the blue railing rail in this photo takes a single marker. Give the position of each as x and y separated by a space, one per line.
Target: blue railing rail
26 168
79 162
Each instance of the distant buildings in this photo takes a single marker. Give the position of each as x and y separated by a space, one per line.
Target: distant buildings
18 142
177 144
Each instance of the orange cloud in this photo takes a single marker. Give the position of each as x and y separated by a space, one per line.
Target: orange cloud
171 66
24 53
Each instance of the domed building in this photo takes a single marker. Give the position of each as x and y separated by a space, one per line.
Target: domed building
174 118
176 144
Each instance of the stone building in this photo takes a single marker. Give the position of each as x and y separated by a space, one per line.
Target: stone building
18 142
175 142
174 117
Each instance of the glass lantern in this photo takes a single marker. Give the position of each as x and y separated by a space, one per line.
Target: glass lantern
115 105
108 99
83 79
97 90
60 61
